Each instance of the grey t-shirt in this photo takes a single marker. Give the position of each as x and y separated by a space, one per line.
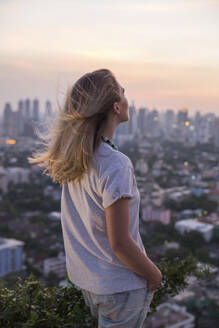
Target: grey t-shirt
90 262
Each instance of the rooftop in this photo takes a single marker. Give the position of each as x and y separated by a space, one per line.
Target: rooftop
6 242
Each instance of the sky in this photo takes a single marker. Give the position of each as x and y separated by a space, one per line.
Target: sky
164 53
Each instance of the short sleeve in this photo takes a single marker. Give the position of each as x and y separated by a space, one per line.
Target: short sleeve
116 184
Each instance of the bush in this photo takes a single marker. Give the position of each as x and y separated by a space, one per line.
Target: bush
29 304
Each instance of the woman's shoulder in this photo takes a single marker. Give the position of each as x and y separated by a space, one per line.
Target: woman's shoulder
109 159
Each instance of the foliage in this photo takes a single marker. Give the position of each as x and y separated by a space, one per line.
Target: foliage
27 197
192 202
29 304
174 274
192 240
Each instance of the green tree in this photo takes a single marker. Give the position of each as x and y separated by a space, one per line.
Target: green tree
192 240
30 304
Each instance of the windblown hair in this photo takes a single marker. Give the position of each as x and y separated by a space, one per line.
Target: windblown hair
75 133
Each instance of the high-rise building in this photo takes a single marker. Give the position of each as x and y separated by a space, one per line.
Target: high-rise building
182 116
7 120
28 122
36 110
182 125
141 119
205 128
197 125
152 123
169 124
132 123
20 121
20 105
27 113
216 132
48 109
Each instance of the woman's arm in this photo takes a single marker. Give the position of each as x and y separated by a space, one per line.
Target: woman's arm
125 247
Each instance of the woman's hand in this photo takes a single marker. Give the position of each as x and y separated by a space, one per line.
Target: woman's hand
154 282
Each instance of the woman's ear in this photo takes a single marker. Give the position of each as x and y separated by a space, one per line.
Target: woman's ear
116 108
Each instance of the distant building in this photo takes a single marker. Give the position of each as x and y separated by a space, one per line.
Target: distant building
14 174
212 218
132 123
27 109
142 166
55 216
9 122
153 124
205 229
179 195
11 255
182 125
170 316
56 265
184 295
182 116
48 110
205 128
152 214
169 124
171 244
141 119
20 121
36 110
216 132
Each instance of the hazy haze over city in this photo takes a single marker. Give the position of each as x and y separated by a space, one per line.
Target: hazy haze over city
165 53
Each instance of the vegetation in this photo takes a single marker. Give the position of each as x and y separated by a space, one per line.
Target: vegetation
30 304
27 197
192 202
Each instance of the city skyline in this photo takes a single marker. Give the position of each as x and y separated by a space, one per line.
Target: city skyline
171 48
42 107
43 104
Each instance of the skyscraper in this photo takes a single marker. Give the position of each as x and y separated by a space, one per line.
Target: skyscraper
36 110
182 116
169 124
48 109
27 113
20 122
142 116
7 120
216 132
152 125
132 123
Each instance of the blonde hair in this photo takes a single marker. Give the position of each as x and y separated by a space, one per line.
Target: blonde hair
75 134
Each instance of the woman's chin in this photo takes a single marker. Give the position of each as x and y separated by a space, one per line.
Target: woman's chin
126 118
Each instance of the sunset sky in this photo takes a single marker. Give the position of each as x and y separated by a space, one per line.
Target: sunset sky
165 53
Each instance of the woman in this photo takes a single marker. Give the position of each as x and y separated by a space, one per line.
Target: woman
105 256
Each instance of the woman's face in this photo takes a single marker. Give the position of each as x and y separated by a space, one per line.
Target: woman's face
124 105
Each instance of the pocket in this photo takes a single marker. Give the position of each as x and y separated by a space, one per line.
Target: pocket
118 298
